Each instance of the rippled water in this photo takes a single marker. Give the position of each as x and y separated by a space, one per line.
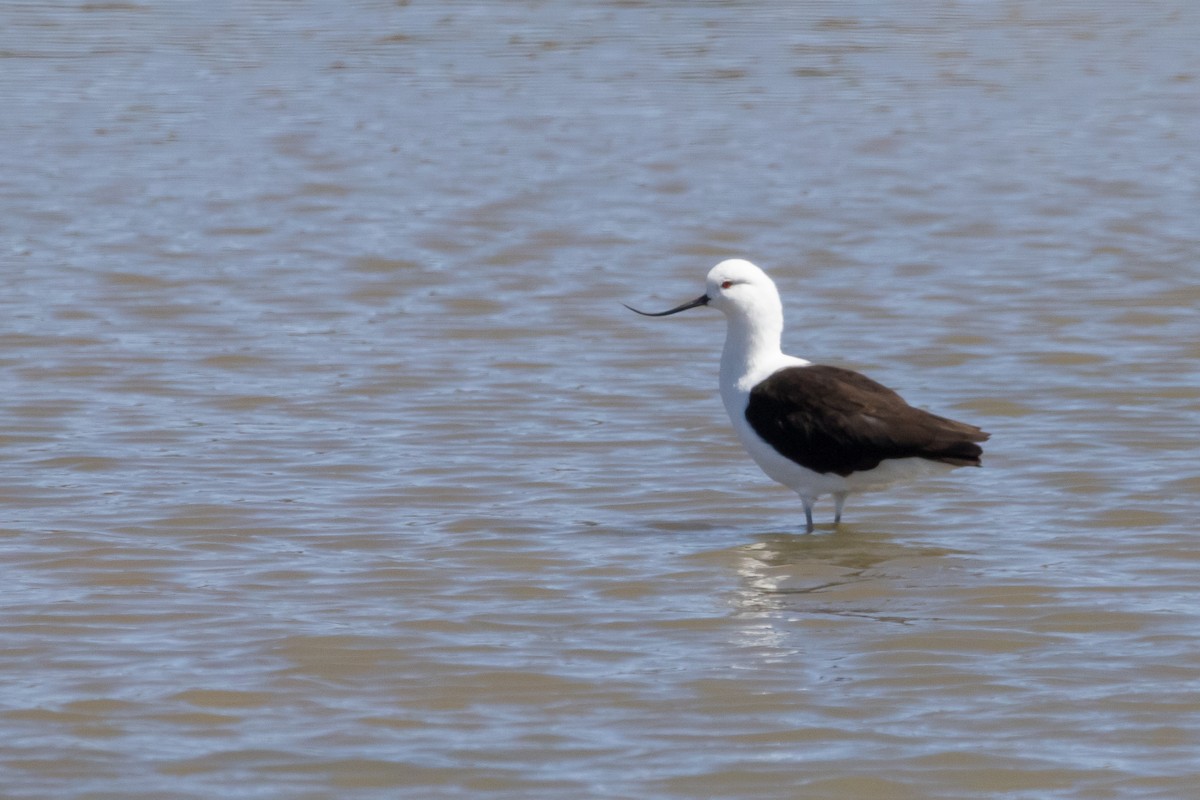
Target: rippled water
333 467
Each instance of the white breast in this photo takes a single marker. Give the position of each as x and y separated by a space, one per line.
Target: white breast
735 392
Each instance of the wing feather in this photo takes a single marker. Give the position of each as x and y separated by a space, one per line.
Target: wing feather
830 419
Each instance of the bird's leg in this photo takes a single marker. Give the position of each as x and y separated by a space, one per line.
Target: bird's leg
808 508
839 500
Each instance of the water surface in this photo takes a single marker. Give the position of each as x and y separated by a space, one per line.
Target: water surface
332 465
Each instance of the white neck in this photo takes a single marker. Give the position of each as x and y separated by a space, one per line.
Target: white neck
752 346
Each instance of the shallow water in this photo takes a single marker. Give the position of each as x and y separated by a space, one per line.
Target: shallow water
332 465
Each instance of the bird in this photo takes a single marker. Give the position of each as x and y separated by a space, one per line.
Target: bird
817 429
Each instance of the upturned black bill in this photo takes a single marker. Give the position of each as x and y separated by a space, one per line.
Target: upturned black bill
702 300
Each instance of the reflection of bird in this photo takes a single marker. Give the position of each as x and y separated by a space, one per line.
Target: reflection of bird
816 429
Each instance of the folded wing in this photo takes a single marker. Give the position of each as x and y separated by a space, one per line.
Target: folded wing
830 419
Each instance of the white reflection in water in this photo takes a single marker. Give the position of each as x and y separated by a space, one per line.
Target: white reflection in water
850 573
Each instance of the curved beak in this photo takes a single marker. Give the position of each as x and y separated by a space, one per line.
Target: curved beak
702 300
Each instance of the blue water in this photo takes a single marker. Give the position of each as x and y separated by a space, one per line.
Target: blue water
332 465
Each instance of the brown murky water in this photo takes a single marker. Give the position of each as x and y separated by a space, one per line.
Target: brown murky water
332 466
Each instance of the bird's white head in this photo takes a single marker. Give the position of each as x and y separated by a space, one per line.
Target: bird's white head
741 290
753 314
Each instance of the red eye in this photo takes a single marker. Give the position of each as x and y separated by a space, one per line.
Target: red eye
726 284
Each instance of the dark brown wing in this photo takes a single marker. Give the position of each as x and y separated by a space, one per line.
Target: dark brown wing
830 419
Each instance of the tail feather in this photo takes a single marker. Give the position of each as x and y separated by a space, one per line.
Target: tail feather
958 445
